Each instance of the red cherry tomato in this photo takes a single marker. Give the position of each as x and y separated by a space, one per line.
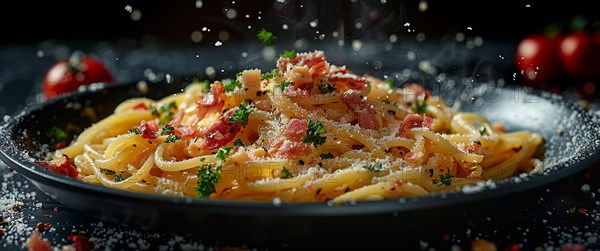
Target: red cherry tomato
580 55
537 59
67 75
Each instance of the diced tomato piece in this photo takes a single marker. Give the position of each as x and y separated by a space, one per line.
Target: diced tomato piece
61 166
148 129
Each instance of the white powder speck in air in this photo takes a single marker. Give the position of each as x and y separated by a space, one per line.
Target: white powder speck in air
218 43
269 53
6 118
210 71
406 24
314 23
469 28
199 4
231 13
459 37
585 188
423 6
411 55
420 37
39 53
357 45
128 8
197 36
244 54
393 38
136 15
341 43
358 25
284 27
276 201
501 57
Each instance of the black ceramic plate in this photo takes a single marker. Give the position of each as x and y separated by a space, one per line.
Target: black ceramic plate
572 142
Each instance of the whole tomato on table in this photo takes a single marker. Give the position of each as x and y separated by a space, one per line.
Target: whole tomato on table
580 55
69 74
537 58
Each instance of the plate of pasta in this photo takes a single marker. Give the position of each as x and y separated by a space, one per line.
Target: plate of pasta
285 147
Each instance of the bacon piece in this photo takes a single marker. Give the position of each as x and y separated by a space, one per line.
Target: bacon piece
148 129
61 166
302 59
418 90
344 79
319 69
363 110
212 101
222 132
80 242
413 121
290 142
140 106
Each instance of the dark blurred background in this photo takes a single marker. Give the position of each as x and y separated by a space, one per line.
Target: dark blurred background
143 39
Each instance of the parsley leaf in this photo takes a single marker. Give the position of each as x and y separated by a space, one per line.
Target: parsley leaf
207 178
482 130
119 178
238 142
269 75
389 83
283 84
165 112
172 138
167 130
266 37
326 155
420 107
446 179
326 88
374 167
134 130
229 87
58 134
288 54
223 152
313 133
240 116
286 173
107 171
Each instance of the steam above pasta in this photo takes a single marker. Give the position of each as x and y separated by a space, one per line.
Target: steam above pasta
306 131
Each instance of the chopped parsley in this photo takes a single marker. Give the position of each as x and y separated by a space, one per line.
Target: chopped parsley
165 112
229 87
482 130
374 167
283 84
119 178
286 173
172 138
134 130
266 37
446 179
326 88
167 130
240 116
389 83
223 152
313 133
238 142
288 54
420 107
58 134
207 178
326 155
269 75
107 171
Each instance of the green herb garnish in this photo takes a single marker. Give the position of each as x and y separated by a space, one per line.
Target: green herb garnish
482 130
326 88
134 130
446 179
229 87
374 167
223 152
420 107
172 138
288 54
119 178
266 37
240 116
286 173
58 134
239 142
167 130
207 178
269 75
389 83
313 133
326 155
283 84
107 171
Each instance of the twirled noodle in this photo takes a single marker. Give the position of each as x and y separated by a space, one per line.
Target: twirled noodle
306 131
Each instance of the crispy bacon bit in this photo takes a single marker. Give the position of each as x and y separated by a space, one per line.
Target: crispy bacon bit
36 243
319 69
80 242
185 132
346 80
413 121
302 59
222 132
363 110
61 166
212 101
41 226
148 129
290 142
140 106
